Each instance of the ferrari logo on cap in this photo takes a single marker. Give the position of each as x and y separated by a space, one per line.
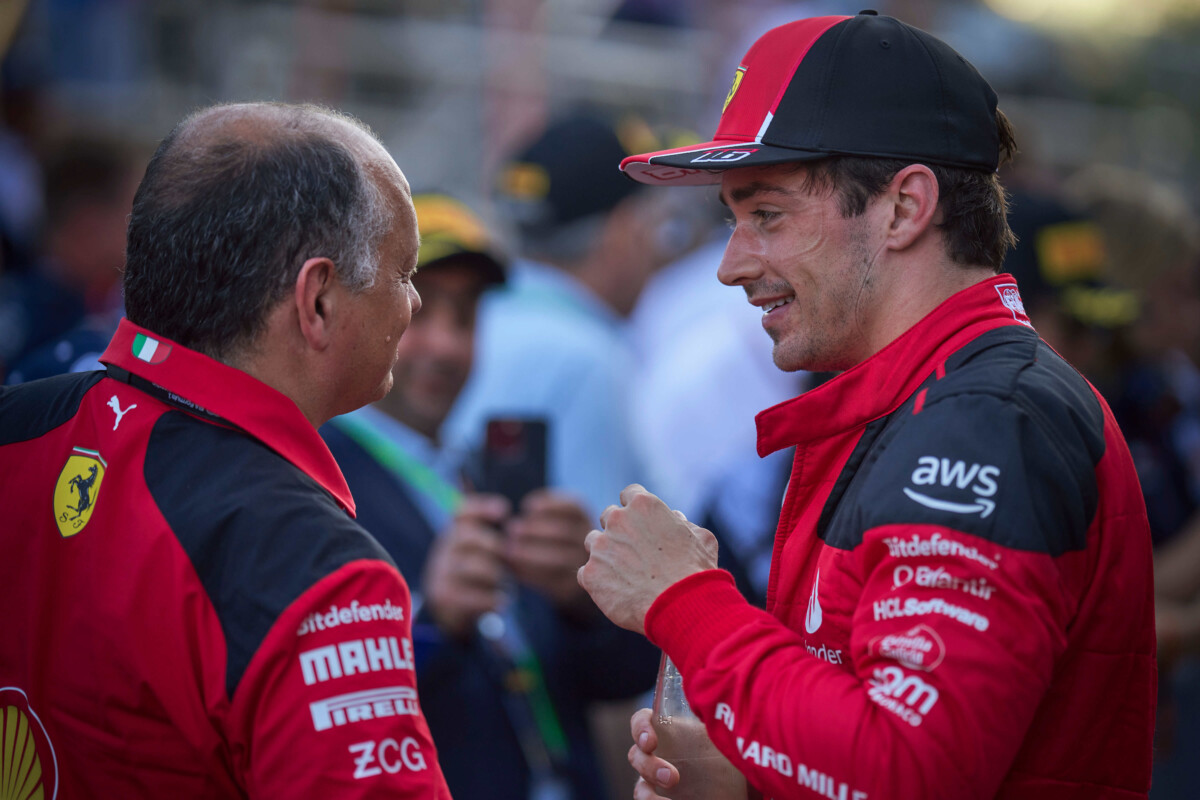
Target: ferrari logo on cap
77 489
737 81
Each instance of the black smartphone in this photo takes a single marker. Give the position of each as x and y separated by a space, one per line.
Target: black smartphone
514 457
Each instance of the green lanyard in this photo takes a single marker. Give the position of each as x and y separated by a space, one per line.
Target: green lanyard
397 460
527 678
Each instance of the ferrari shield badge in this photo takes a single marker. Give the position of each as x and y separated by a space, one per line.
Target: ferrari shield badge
77 489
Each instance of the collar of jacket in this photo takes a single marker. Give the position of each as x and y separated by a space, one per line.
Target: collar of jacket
242 400
877 387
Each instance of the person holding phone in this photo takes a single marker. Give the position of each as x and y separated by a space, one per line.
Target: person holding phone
510 651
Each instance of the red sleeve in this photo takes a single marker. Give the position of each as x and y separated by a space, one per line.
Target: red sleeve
943 718
328 705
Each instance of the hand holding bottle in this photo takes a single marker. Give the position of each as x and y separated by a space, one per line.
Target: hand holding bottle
673 755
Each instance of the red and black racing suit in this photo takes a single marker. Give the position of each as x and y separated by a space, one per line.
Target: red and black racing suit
960 603
189 610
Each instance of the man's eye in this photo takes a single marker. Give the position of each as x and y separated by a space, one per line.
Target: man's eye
765 216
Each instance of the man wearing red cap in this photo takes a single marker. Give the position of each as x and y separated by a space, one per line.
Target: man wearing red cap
960 602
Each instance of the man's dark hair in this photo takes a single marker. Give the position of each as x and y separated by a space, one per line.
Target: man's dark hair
974 204
226 215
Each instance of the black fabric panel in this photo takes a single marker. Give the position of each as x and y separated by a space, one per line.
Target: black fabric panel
388 512
884 74
258 531
34 409
799 119
1005 448
853 468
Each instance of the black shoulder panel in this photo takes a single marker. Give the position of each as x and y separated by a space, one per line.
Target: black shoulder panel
34 409
258 531
391 515
1004 446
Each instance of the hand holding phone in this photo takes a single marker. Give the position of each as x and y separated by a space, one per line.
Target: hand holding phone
514 458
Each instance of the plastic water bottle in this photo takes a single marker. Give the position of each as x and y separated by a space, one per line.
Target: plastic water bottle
704 774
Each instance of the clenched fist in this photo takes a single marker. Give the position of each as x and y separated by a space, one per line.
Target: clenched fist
642 548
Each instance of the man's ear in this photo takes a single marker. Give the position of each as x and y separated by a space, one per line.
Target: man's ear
315 300
914 196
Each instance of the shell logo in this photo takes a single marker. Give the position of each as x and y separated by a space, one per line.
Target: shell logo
28 767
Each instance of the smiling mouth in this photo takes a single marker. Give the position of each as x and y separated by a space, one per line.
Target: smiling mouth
783 301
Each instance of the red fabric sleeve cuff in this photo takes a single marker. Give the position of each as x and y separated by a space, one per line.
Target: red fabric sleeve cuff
694 614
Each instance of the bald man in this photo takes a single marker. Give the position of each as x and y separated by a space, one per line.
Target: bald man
191 610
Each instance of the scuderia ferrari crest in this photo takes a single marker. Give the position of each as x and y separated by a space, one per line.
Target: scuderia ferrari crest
77 489
737 81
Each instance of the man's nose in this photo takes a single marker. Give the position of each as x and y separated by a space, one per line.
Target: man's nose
738 264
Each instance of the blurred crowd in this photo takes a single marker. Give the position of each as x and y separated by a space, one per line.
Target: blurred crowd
601 315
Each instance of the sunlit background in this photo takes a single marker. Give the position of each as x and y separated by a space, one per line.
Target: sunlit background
451 84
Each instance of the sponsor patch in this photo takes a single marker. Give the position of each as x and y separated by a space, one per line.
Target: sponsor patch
115 404
813 616
723 156
1010 296
919 647
824 653
891 608
810 778
346 709
356 657
390 756
936 545
28 765
77 490
906 696
980 479
662 172
348 615
940 578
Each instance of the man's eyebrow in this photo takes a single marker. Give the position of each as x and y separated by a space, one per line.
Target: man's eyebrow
743 193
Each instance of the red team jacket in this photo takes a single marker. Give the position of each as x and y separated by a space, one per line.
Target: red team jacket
961 596
189 610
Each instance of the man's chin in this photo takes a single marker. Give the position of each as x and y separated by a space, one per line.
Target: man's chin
786 361
382 390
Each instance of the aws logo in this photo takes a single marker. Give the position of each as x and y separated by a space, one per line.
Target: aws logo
980 479
28 767
77 489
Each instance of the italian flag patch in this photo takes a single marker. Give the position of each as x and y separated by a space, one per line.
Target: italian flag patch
149 349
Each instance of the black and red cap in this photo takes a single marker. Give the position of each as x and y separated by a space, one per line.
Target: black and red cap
866 85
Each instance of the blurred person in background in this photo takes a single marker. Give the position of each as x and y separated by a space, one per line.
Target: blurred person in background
510 651
1152 242
961 590
190 609
554 343
89 186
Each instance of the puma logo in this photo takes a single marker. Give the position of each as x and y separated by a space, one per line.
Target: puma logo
115 405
